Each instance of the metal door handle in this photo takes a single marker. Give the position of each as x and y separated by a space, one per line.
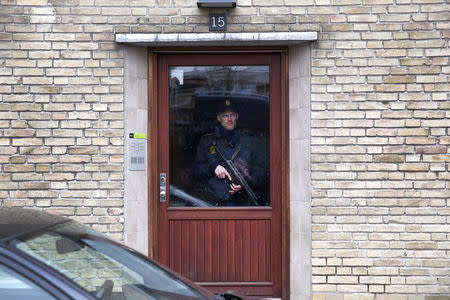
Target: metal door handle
162 187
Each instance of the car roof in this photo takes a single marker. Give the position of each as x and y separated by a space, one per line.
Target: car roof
19 221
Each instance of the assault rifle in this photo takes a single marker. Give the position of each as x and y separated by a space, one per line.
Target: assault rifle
238 176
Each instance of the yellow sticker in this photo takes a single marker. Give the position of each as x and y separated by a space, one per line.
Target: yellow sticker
212 150
138 135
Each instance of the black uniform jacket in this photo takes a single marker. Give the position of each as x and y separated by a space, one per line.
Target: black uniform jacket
234 147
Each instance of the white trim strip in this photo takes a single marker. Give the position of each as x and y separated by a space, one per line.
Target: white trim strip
217 39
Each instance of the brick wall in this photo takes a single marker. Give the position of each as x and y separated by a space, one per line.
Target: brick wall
380 124
380 148
61 112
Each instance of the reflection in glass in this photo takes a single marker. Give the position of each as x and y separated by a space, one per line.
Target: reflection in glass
15 286
104 269
219 136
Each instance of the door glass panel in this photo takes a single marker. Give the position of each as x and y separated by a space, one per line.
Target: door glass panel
219 136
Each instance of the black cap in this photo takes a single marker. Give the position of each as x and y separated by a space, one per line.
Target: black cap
226 105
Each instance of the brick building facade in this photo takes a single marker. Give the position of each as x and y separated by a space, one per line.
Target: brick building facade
368 139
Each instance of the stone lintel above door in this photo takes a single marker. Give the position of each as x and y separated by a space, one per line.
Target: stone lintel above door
217 39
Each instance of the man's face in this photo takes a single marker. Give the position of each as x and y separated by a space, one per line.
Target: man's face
228 119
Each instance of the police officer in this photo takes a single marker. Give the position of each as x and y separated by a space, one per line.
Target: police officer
208 165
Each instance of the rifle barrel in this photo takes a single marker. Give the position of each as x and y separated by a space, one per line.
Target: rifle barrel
239 177
243 182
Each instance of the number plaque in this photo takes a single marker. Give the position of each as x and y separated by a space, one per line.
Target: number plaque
217 22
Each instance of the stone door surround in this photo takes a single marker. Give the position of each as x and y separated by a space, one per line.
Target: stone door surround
136 47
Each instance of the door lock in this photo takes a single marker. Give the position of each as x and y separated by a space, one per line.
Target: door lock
162 187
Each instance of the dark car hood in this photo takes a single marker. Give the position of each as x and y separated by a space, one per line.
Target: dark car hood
18 221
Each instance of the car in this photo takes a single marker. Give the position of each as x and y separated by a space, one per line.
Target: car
45 256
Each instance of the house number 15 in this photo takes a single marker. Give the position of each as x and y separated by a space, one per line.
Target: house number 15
217 22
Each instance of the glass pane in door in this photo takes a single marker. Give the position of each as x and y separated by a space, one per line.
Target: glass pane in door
219 136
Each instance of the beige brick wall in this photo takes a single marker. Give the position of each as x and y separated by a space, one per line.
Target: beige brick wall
380 151
380 124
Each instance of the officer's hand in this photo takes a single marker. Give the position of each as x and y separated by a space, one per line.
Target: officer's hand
221 172
234 188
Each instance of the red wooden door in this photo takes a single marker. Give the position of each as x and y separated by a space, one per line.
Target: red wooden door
220 245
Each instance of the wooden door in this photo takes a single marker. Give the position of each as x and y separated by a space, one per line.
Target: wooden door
218 244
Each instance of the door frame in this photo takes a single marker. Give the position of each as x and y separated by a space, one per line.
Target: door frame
153 180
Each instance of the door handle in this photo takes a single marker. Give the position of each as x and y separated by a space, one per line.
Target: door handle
162 187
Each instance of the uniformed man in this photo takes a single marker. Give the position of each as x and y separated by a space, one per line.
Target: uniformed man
209 166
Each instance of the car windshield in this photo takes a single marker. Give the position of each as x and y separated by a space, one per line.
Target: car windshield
103 268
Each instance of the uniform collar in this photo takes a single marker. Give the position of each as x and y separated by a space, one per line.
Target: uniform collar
231 136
